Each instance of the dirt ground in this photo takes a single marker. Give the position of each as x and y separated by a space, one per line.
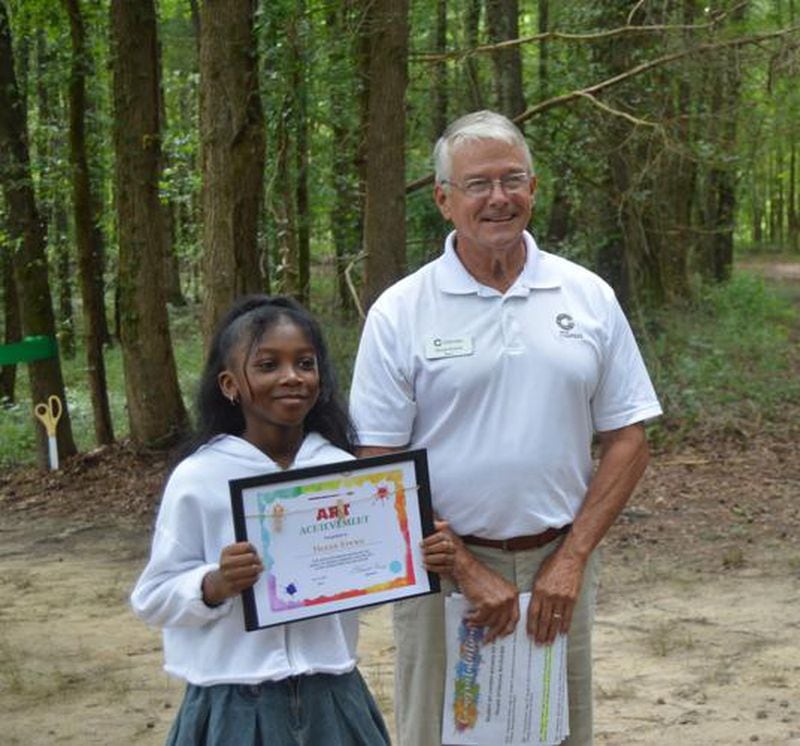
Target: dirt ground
697 639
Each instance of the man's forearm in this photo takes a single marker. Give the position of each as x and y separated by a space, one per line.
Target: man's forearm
624 456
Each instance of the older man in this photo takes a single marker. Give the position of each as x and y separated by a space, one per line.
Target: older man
504 362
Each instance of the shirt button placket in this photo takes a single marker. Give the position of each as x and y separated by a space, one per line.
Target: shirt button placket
512 341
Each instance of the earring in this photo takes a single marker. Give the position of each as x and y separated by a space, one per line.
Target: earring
233 400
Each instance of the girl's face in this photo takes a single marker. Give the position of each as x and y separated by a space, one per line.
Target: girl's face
276 382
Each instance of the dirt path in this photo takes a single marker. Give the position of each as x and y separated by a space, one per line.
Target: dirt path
700 649
698 619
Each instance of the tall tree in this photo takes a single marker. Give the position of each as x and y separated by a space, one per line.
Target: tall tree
558 221
646 229
384 213
502 22
86 237
345 142
472 83
28 238
298 40
13 329
286 63
155 407
439 81
716 255
283 205
48 141
232 153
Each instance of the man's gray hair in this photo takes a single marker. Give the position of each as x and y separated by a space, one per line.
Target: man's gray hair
479 125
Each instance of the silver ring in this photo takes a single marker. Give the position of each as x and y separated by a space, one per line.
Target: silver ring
556 616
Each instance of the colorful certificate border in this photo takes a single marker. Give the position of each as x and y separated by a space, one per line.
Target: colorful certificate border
271 493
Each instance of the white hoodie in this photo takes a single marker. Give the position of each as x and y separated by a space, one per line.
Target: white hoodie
205 645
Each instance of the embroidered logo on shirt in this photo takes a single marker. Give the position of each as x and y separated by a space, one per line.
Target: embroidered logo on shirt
566 324
565 321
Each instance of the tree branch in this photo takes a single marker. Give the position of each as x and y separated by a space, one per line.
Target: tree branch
563 36
351 285
633 11
590 91
618 112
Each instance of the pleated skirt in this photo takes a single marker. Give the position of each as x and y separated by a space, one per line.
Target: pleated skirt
316 710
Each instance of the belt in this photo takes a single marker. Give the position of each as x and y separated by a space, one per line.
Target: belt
518 543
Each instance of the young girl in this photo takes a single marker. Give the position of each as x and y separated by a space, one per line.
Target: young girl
267 401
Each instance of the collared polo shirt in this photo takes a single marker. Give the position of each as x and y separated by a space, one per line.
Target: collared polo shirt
504 390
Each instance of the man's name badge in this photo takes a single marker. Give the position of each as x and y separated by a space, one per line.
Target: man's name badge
438 347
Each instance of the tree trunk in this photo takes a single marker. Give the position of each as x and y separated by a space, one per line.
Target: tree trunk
172 267
794 207
172 275
502 21
155 407
283 209
793 216
85 234
439 118
299 40
544 49
472 83
28 233
49 144
345 209
559 219
725 223
194 11
650 186
13 329
63 267
232 153
384 219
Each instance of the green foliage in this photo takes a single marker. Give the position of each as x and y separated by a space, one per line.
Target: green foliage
18 426
721 363
725 366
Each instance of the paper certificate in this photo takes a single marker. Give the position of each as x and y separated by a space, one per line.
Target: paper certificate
335 537
508 692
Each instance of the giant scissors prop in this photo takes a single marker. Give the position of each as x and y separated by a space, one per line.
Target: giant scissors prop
49 414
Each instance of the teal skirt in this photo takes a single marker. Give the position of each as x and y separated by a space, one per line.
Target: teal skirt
316 710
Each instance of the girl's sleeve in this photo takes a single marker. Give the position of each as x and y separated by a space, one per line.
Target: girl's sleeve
169 590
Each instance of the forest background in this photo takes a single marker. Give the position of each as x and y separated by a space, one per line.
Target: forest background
157 160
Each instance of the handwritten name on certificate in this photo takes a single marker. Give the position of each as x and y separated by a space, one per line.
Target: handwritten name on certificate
507 692
335 540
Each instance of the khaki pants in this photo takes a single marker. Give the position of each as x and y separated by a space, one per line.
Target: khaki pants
420 657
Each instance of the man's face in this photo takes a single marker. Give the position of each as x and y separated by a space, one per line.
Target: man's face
495 221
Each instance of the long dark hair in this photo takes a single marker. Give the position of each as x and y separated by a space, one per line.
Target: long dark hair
245 323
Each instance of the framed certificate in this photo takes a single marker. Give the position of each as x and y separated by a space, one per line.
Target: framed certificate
335 537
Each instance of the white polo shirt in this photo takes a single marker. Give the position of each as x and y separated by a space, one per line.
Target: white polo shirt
504 390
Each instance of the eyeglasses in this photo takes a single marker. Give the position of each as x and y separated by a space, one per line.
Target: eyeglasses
510 184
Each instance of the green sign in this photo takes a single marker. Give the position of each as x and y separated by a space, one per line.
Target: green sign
28 350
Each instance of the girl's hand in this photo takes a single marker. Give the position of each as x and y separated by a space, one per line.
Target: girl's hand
439 549
239 568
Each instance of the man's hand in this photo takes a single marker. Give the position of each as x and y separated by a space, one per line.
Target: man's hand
554 595
494 599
